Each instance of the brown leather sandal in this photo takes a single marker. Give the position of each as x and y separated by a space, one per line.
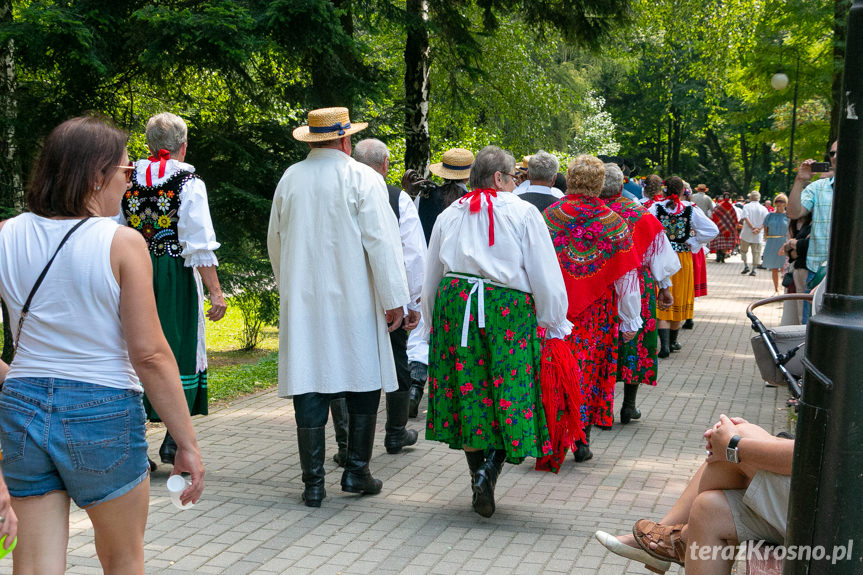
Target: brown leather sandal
669 544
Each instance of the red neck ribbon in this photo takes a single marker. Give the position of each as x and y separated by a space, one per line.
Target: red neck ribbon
676 199
656 199
161 159
475 198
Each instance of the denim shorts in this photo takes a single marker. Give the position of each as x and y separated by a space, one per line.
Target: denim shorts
62 435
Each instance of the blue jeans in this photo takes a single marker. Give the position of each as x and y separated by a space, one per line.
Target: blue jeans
807 306
62 435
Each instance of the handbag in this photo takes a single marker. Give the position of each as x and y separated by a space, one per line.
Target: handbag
788 279
26 309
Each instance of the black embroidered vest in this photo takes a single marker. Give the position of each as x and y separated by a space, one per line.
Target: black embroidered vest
152 210
677 227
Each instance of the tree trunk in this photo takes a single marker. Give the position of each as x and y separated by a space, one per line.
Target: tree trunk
417 139
765 171
677 129
746 161
11 180
716 147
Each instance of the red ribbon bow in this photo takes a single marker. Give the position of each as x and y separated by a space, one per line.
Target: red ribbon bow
162 159
475 198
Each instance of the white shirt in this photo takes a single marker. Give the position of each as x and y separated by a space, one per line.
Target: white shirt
754 214
413 247
662 260
336 254
194 224
73 330
704 228
521 258
532 189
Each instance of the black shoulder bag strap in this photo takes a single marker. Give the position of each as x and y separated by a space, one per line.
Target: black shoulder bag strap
26 309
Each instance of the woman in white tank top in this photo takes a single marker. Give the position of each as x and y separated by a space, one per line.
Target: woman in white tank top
71 417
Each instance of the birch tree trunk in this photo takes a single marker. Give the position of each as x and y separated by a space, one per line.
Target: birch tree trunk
11 192
418 141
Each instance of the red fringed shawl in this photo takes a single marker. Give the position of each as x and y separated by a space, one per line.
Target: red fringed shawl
593 245
643 225
561 401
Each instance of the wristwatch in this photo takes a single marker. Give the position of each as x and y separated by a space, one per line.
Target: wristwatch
731 452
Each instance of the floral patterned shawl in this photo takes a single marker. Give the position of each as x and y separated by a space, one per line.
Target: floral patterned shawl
644 226
593 245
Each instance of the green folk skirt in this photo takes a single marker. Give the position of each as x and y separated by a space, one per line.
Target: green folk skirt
636 359
178 307
487 393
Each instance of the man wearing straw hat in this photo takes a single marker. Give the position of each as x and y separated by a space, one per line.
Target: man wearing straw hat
454 168
336 254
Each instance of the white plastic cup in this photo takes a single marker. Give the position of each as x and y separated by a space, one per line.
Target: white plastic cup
176 485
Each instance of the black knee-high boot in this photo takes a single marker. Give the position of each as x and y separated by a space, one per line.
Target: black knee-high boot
672 340
628 411
664 345
419 374
486 479
312 444
356 477
475 459
339 409
398 435
582 449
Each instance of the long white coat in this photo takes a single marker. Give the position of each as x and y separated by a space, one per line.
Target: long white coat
336 254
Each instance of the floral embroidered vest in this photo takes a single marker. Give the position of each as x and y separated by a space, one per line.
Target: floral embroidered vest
678 227
152 210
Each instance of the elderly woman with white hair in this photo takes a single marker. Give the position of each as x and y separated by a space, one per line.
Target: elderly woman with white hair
167 204
491 279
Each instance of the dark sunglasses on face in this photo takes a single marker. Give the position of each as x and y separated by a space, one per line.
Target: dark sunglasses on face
832 153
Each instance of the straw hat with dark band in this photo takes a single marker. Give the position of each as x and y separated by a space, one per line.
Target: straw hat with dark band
454 165
522 165
328 124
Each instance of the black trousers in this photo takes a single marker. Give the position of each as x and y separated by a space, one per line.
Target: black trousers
312 409
399 342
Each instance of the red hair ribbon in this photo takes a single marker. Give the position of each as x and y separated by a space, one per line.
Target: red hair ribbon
162 159
475 198
676 199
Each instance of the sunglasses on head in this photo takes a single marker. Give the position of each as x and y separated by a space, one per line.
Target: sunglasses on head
130 169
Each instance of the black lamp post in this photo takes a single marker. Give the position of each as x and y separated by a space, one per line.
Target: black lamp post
779 81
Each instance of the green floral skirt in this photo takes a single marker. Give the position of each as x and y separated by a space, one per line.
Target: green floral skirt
487 393
636 359
177 305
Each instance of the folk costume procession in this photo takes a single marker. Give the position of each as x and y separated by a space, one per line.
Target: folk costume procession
513 305
518 308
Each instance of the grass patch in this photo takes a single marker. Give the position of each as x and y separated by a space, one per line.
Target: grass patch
232 372
231 381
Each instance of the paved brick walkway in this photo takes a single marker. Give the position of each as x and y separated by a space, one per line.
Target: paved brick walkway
251 519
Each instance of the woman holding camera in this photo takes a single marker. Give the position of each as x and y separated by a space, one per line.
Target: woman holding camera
71 413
